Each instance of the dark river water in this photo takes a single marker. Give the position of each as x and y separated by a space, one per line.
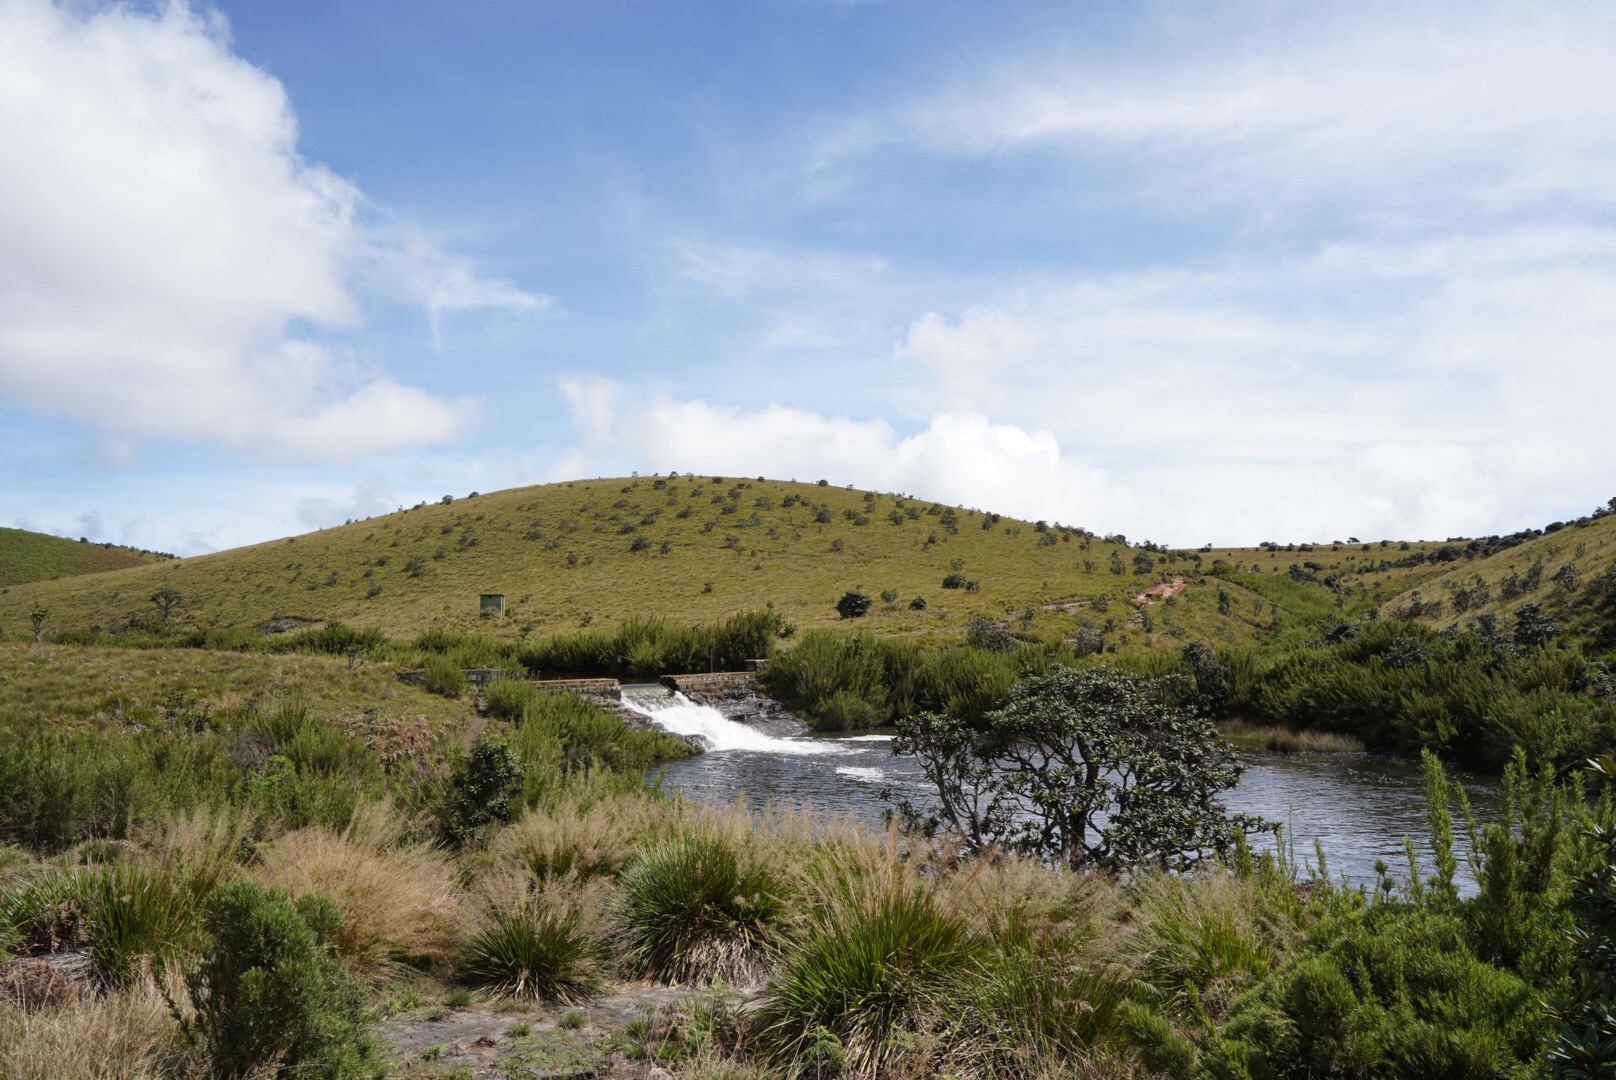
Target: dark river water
1359 806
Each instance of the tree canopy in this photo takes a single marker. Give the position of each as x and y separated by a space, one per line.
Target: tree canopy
1088 768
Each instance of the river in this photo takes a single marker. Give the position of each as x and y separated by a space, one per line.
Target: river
1359 806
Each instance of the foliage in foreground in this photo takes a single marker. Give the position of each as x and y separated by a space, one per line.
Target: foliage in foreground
269 991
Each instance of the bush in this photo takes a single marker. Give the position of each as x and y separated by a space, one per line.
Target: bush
695 909
918 604
1394 992
649 647
853 605
954 581
545 955
269 993
482 790
442 675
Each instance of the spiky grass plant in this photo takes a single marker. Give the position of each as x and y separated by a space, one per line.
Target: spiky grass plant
546 955
138 915
696 908
870 974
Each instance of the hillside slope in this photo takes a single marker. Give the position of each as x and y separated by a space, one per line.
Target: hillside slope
30 556
595 552
1553 570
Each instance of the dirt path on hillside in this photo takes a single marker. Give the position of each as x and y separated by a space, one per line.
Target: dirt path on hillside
1161 591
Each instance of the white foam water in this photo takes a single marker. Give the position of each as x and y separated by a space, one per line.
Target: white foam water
681 716
860 773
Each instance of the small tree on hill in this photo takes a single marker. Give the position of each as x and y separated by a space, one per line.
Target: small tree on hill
167 600
1085 768
38 617
1532 627
853 605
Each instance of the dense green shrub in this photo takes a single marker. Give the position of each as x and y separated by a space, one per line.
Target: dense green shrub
269 993
1392 992
287 766
443 675
694 908
481 791
545 955
853 605
839 681
1403 685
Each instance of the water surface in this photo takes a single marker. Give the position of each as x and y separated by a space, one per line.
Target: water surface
1359 806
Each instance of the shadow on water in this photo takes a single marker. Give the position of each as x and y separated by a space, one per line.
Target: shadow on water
1360 806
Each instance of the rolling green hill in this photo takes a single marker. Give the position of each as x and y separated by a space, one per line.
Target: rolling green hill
29 556
596 552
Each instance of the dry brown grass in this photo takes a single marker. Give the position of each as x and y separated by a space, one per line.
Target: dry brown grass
1285 740
122 1036
202 849
397 898
581 840
1019 901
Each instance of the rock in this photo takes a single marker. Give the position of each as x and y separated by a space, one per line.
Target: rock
657 1072
34 984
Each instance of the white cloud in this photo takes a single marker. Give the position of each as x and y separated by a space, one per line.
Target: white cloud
414 267
1447 108
165 252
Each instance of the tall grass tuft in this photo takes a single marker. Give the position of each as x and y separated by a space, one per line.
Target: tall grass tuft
124 1035
873 971
398 900
648 647
138 915
696 909
548 955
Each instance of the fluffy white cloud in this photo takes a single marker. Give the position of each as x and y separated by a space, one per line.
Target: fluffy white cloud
165 252
959 457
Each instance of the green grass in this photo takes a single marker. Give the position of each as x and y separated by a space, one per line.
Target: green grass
29 556
65 686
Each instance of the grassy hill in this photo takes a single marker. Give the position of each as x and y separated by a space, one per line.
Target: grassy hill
596 552
29 556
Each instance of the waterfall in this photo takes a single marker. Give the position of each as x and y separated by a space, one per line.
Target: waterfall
677 714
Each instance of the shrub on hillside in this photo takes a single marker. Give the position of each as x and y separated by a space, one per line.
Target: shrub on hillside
954 581
853 605
269 993
441 675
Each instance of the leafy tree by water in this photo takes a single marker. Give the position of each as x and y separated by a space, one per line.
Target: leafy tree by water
1086 768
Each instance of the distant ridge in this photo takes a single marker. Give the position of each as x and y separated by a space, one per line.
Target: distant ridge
30 556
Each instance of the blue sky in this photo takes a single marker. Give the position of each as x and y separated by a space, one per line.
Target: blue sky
1192 271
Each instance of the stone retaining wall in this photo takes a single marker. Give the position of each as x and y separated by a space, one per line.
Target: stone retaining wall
714 681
